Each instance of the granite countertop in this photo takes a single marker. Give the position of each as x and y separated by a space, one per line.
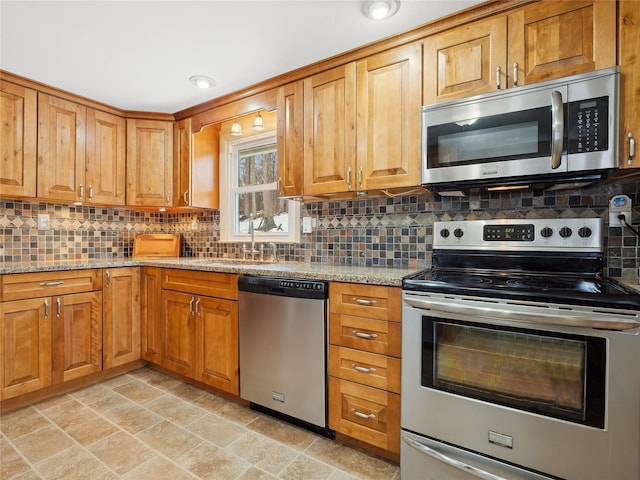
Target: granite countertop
391 276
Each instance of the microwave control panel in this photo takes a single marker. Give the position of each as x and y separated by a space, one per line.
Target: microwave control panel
588 120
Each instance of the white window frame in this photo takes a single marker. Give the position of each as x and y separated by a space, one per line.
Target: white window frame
229 188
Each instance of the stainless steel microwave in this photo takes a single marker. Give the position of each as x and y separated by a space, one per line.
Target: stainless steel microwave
561 131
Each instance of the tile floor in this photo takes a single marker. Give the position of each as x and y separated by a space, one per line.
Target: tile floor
147 425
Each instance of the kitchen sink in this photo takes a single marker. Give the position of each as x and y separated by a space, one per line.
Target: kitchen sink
229 261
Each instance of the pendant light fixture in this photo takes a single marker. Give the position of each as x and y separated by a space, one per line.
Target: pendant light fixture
258 123
236 129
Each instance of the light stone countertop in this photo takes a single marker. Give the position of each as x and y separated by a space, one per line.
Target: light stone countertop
374 275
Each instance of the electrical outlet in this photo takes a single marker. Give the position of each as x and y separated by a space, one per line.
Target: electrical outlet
307 224
44 222
619 205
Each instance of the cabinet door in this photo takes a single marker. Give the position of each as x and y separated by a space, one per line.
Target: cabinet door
61 149
121 316
205 167
76 335
463 61
151 314
18 140
389 101
149 163
182 162
290 140
106 155
25 346
330 131
555 39
179 348
629 45
217 343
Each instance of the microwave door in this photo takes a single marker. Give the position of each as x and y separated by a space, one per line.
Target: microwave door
496 137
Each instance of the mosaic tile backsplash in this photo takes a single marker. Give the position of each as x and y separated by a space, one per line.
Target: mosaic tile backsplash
393 231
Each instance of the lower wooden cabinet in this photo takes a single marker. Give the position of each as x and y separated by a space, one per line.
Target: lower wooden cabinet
121 315
151 314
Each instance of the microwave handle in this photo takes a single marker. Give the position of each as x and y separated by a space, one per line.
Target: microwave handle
557 128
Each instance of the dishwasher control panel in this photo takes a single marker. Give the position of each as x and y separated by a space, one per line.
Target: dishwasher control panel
286 287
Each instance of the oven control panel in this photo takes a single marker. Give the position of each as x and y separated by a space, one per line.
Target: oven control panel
581 234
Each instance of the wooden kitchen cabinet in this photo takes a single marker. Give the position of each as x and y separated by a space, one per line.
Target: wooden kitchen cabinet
197 168
151 314
149 163
364 363
290 139
18 140
81 153
537 42
629 48
121 316
200 327
51 326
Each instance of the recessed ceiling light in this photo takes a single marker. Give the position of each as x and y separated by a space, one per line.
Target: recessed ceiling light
201 81
380 9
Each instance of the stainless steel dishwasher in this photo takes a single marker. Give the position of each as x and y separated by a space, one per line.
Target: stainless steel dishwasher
283 348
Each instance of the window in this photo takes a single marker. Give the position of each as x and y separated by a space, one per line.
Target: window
249 192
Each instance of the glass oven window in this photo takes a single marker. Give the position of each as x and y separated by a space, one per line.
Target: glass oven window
552 374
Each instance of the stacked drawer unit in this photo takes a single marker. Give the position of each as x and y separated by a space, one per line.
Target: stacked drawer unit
364 363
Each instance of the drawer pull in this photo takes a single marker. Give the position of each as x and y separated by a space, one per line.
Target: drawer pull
367 416
363 369
368 336
51 284
362 301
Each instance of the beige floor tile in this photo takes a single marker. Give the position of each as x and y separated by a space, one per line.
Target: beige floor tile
237 413
75 463
30 475
217 430
256 474
210 402
102 399
186 391
94 429
175 409
116 381
42 443
68 413
169 439
52 402
290 435
138 391
307 468
11 463
210 462
121 452
158 469
21 422
263 452
340 475
133 418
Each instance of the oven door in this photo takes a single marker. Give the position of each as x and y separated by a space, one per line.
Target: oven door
554 400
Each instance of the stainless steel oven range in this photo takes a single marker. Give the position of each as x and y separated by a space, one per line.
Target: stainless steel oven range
520 360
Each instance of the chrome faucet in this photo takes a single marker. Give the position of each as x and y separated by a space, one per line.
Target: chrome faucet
274 250
253 250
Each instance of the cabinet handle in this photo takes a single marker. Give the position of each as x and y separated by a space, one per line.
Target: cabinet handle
498 77
46 308
368 416
59 307
191 305
363 369
369 336
169 198
90 192
362 301
108 275
515 74
197 303
349 178
185 196
278 184
81 191
632 148
51 284
360 176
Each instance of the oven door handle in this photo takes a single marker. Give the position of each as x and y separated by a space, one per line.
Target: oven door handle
542 318
471 470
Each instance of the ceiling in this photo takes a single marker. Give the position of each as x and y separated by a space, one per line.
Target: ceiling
139 55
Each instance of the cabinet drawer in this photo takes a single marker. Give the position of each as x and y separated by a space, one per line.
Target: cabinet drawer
372 301
371 369
44 284
376 336
209 284
365 413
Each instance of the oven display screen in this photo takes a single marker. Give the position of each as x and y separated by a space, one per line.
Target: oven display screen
508 233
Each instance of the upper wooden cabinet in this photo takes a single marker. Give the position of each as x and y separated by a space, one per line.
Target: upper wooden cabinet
81 153
196 157
362 124
290 139
538 42
149 163
18 140
629 48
